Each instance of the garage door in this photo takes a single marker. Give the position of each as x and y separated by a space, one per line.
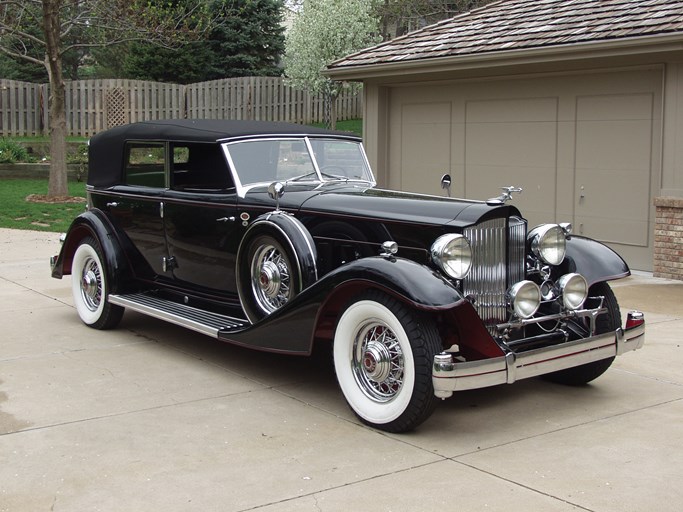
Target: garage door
583 147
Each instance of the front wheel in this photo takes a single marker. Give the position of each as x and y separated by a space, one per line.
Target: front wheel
383 355
607 322
90 288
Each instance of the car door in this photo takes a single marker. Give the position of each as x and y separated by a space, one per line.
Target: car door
135 206
200 217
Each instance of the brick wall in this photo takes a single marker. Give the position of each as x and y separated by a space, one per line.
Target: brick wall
669 238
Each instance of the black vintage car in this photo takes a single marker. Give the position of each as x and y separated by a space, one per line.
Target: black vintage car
274 236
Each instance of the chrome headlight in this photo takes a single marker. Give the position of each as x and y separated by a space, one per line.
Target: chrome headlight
574 290
524 298
453 255
549 243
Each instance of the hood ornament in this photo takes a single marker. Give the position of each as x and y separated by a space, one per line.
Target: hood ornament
504 197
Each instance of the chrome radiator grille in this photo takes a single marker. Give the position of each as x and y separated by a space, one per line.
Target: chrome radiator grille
498 254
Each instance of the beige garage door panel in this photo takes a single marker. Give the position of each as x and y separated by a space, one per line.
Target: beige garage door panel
513 142
584 147
613 167
425 146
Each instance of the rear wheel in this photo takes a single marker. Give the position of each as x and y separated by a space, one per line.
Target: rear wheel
383 355
607 322
90 288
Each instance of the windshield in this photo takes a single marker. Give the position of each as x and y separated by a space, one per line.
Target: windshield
298 160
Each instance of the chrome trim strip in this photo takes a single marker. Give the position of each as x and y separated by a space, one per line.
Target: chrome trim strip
448 377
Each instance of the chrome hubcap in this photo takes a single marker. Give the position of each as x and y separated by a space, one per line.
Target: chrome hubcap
270 278
91 285
378 362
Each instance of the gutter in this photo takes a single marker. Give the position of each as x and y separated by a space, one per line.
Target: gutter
575 51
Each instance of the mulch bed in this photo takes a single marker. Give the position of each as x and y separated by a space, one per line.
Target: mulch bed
44 198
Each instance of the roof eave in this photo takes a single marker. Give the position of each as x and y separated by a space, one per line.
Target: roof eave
576 51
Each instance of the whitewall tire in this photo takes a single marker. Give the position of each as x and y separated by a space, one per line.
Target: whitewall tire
90 289
383 354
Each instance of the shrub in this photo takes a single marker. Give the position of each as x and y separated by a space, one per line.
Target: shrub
12 152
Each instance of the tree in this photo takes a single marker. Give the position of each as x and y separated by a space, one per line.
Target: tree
187 64
324 31
247 39
69 26
398 17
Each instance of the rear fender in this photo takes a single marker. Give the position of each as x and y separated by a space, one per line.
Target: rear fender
94 223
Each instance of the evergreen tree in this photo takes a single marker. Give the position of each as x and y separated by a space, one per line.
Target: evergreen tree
247 40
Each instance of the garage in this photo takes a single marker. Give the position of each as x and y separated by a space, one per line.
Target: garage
565 140
579 103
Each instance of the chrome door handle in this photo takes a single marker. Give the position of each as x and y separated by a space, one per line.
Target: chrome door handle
112 205
226 219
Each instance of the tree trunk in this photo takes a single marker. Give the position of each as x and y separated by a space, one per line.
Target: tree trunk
333 112
57 185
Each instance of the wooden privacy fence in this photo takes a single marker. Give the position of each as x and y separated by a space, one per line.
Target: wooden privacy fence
95 105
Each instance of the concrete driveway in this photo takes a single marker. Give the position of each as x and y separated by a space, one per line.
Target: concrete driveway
152 417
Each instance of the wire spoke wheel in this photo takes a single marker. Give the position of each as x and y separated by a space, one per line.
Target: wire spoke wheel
90 289
378 362
383 354
91 284
270 278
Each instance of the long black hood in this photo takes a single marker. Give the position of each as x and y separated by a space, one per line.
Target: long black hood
392 206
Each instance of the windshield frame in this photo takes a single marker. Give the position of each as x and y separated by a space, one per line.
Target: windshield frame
319 179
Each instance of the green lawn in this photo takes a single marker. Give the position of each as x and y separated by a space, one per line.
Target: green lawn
354 126
17 213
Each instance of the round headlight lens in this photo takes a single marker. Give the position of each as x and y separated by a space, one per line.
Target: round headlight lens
453 255
574 290
549 243
524 298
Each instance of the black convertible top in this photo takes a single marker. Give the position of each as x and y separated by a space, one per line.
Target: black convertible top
105 153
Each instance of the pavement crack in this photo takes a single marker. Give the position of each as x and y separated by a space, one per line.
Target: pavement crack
524 486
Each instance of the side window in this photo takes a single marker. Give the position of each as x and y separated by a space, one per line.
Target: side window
198 166
145 165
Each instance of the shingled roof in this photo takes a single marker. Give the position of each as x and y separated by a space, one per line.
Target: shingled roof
511 25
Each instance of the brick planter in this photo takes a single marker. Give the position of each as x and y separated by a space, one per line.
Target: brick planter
669 238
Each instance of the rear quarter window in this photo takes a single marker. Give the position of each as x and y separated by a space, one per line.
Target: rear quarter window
145 165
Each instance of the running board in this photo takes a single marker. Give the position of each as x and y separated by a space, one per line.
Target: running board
205 322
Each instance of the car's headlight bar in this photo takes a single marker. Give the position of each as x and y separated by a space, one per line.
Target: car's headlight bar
548 242
452 254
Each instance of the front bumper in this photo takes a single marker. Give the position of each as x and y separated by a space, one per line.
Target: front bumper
449 375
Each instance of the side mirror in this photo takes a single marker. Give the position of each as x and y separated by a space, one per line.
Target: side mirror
446 183
275 191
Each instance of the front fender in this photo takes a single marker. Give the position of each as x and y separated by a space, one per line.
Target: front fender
313 313
416 284
593 260
94 223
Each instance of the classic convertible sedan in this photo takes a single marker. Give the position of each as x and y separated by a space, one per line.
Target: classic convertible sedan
274 236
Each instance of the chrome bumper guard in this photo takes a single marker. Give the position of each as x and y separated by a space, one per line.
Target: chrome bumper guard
449 375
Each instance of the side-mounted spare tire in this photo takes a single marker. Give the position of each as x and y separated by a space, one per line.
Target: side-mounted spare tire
275 261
